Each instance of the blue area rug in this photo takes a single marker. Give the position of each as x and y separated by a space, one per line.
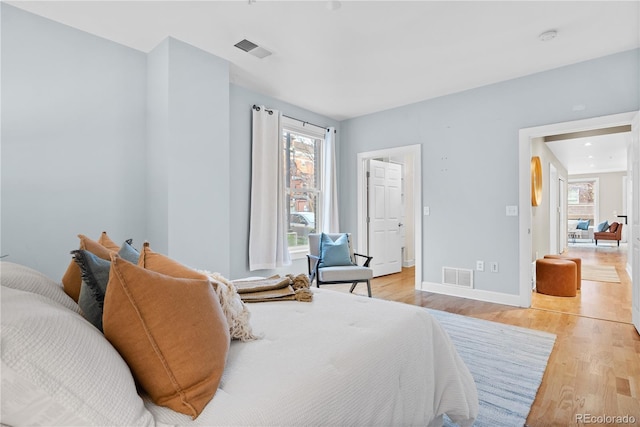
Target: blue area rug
506 362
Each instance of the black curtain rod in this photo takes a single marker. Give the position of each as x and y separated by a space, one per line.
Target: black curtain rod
255 107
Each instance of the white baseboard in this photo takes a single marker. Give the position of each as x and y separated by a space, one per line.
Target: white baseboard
475 294
409 263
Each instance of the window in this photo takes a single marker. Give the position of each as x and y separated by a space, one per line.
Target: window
301 146
581 200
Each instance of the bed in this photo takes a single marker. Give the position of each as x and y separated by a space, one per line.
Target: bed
339 360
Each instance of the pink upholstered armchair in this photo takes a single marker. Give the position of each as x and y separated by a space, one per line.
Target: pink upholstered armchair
614 232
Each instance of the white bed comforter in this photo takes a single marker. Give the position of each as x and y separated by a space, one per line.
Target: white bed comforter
340 360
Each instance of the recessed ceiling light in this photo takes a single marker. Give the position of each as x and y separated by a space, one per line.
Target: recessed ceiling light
587 144
590 157
548 35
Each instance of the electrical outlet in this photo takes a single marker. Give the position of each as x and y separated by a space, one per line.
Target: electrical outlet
494 267
512 211
480 265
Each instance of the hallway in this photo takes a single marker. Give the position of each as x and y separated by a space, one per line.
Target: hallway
597 300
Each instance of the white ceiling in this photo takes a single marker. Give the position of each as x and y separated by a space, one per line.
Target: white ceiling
593 154
366 56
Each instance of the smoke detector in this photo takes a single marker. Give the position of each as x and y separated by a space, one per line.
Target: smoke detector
252 48
548 35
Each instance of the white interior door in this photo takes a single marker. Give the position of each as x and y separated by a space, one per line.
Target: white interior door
554 210
634 152
384 206
562 207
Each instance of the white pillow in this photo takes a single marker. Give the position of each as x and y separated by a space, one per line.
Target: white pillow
60 369
572 225
21 277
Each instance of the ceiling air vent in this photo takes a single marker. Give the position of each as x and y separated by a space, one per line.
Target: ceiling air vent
252 48
246 45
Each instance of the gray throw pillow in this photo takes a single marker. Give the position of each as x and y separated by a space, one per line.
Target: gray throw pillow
95 277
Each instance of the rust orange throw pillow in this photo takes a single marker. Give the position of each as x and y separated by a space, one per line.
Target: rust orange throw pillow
102 248
163 264
234 309
170 331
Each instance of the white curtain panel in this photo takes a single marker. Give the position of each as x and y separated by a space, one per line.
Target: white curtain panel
267 234
329 186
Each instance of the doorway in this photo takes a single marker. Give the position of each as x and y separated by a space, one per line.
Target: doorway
525 230
410 157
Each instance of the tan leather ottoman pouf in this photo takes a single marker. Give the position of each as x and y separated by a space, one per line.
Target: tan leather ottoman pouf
578 262
556 277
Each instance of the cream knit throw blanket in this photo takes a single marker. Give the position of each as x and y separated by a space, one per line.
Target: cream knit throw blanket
274 288
233 308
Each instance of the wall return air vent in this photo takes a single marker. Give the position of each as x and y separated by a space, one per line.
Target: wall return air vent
252 48
457 277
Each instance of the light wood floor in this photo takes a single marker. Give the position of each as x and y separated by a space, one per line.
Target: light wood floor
594 367
600 300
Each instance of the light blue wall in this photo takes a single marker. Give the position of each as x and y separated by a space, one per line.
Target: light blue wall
157 148
188 149
97 136
73 138
470 156
241 101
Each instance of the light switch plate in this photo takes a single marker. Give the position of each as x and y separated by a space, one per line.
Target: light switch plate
512 211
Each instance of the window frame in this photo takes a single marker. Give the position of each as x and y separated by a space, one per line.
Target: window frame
297 127
595 181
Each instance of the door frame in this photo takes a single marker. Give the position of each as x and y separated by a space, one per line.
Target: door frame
524 179
633 258
414 151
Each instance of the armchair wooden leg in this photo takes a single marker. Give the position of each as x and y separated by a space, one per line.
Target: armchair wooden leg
353 286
